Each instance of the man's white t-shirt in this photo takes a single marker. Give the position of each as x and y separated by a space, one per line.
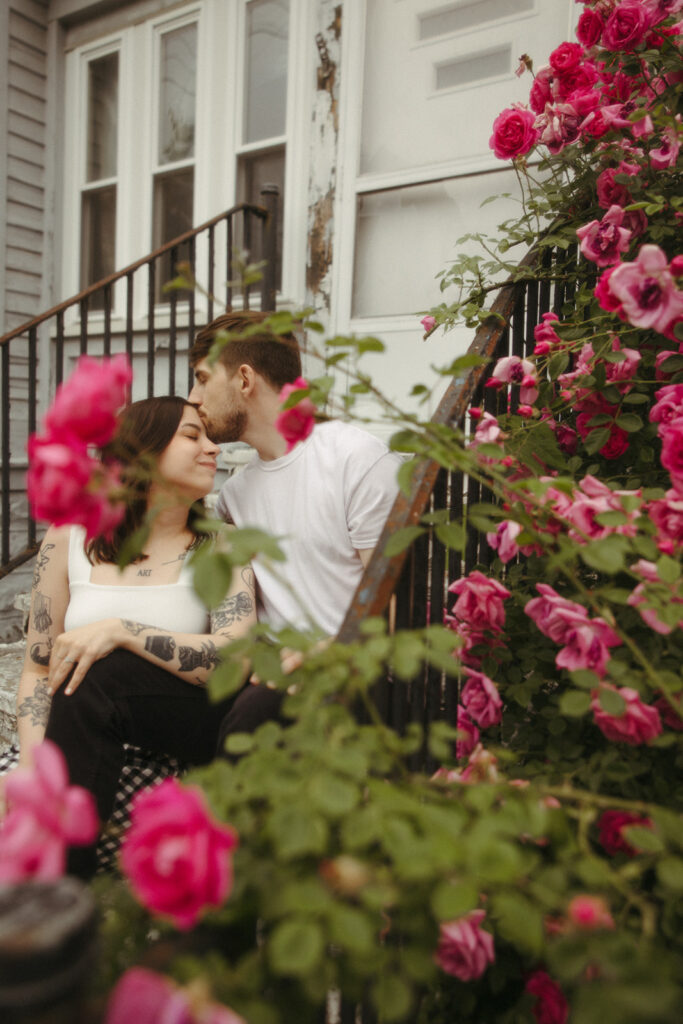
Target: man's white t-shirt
324 501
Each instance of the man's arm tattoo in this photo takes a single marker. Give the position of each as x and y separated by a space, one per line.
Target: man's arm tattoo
42 620
191 658
37 704
162 647
41 561
136 627
41 651
231 610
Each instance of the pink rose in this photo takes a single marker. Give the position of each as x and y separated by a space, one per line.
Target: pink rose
295 424
610 828
541 90
638 723
480 601
669 404
589 28
465 950
590 913
514 133
627 26
642 597
666 154
504 540
672 719
667 515
550 611
552 1007
481 699
176 857
671 433
429 323
587 642
469 734
567 439
611 192
558 126
488 431
565 57
86 405
603 240
646 291
144 997
513 370
46 814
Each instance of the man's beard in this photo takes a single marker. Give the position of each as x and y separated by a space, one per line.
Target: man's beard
230 429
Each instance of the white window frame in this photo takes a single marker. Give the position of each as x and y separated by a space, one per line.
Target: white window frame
220 75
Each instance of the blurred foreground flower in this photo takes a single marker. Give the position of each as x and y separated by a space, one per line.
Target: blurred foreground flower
465 950
296 422
143 997
175 856
46 815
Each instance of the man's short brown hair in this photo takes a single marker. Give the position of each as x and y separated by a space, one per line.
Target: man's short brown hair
274 356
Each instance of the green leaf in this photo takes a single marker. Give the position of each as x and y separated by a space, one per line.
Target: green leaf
606 555
239 743
452 535
670 873
296 947
402 539
643 839
630 422
393 997
575 703
557 364
212 575
450 900
518 921
596 440
612 702
226 679
351 929
668 569
584 678
333 796
297 831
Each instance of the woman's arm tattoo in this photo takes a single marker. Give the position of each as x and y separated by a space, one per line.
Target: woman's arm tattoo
206 657
42 620
37 704
41 651
231 610
136 627
162 647
41 561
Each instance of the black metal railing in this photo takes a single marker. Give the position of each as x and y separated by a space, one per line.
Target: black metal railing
103 319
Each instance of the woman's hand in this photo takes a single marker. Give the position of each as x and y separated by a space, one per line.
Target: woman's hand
77 650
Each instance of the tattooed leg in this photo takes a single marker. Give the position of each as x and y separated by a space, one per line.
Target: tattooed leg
37 704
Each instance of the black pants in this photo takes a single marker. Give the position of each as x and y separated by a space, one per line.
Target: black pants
126 699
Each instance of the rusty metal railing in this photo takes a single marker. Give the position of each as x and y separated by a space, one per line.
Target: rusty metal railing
102 320
417 579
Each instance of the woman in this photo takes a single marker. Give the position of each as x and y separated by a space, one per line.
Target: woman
118 657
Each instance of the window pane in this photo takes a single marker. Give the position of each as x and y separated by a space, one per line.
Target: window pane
255 171
177 88
405 236
173 195
103 92
462 16
98 238
266 69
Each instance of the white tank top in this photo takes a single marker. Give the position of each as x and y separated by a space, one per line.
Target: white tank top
172 606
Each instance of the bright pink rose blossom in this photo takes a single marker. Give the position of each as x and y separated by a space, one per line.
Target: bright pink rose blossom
513 370
602 241
551 1006
587 642
627 26
428 323
481 699
589 28
86 405
667 515
144 997
175 856
610 828
514 133
480 601
295 424
638 723
465 950
550 610
611 192
671 433
46 815
645 292
590 913
469 734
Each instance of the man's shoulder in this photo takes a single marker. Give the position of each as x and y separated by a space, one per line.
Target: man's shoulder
343 435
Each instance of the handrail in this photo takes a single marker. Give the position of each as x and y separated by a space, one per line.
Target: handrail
382 573
259 211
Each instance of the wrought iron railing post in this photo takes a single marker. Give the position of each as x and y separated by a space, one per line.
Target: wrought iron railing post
269 199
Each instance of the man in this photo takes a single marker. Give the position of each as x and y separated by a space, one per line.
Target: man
326 500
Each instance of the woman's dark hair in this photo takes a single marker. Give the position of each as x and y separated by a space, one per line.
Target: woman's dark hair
145 430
